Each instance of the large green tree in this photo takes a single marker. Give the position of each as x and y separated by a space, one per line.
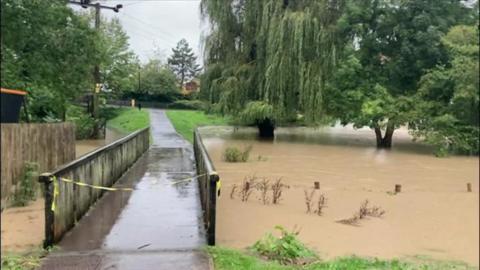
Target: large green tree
156 81
118 63
448 96
391 44
183 62
47 50
268 61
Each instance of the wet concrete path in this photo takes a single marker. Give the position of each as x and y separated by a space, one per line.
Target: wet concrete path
157 226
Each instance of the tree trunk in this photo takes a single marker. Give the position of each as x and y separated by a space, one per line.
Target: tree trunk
385 141
265 129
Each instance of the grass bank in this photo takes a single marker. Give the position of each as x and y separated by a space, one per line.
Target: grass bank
230 259
126 120
186 121
22 261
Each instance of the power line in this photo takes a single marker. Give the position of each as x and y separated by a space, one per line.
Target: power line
161 31
151 34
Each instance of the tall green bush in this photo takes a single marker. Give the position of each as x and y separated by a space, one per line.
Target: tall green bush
26 190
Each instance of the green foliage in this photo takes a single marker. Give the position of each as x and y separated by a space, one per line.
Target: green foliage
185 122
256 111
285 249
83 121
50 50
128 120
188 105
119 64
26 190
46 47
28 261
233 154
447 112
275 52
183 62
389 47
157 78
229 259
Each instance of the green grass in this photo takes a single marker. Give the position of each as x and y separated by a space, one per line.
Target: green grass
127 120
186 121
22 261
229 259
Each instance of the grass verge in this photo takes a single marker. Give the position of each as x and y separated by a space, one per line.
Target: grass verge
22 261
230 259
186 121
127 120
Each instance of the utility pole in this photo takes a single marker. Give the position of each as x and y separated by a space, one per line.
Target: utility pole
96 70
139 70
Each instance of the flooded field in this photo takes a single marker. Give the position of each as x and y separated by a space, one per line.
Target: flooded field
84 146
433 216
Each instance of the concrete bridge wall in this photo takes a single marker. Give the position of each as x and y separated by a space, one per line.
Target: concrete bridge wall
207 182
102 167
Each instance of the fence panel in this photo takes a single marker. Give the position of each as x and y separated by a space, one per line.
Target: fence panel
48 145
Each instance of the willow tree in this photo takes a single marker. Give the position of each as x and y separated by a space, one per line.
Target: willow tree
267 61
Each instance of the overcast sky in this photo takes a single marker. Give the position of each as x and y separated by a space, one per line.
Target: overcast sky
152 24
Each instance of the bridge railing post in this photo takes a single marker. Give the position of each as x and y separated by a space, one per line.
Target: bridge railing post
45 178
212 208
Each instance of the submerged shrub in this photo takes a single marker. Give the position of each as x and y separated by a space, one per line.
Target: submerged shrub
233 154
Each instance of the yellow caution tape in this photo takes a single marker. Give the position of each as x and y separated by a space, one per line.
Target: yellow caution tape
55 193
56 189
94 186
188 179
219 186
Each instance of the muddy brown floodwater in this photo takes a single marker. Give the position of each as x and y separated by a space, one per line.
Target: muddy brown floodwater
434 215
84 146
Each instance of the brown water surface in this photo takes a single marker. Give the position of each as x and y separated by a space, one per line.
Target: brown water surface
433 215
85 146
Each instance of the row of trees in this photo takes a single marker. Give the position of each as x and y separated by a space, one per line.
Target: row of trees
160 80
377 63
50 51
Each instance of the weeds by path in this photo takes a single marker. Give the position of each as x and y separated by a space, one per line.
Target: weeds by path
22 261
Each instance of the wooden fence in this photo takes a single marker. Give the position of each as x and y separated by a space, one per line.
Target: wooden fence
48 145
208 186
102 167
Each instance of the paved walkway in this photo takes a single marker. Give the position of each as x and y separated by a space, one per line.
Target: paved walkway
157 226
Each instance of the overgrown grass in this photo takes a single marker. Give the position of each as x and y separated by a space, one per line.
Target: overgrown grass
230 259
186 121
127 120
22 261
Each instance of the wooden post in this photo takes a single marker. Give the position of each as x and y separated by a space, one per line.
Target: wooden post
49 214
317 185
247 185
398 188
469 187
212 209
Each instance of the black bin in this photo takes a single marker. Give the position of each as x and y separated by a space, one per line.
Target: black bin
11 102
